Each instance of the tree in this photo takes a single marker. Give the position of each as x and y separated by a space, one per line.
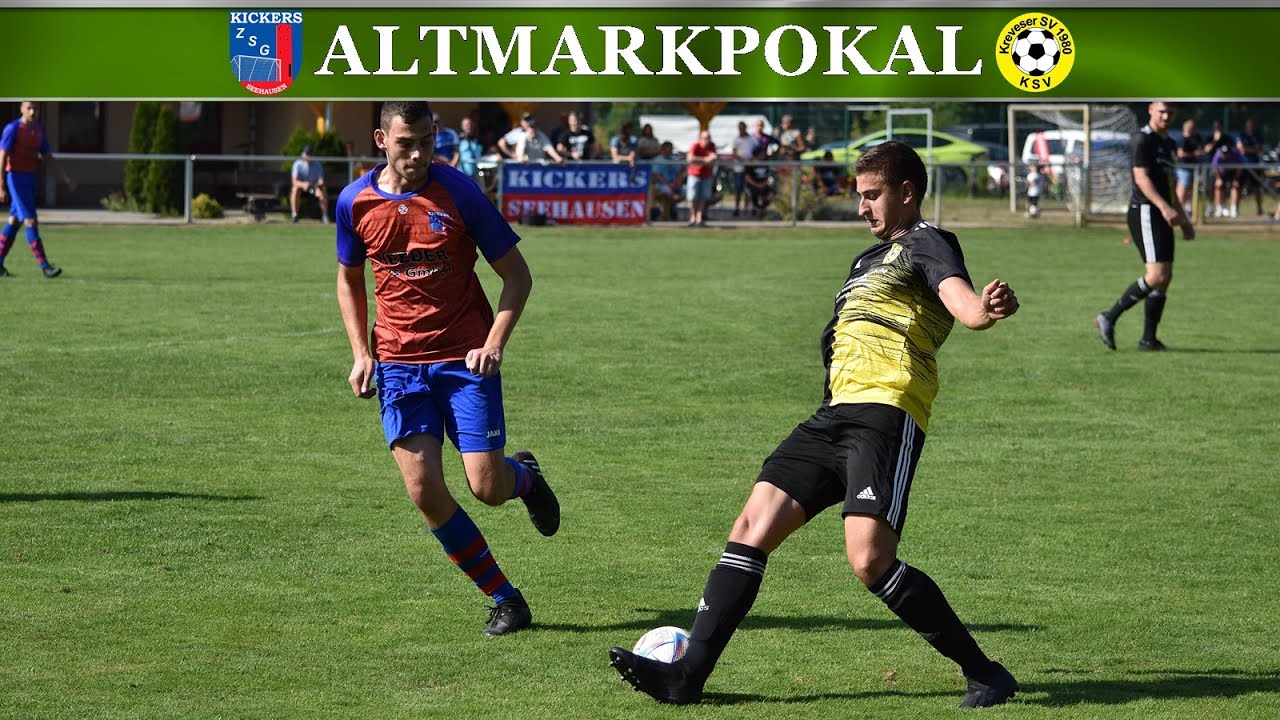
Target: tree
325 144
140 137
163 188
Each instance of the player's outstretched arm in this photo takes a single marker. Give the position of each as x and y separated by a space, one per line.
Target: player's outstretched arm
974 311
353 302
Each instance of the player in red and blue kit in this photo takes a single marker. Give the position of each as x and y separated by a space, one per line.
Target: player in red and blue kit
437 346
22 146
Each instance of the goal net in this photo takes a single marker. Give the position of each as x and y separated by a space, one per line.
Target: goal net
252 68
1084 149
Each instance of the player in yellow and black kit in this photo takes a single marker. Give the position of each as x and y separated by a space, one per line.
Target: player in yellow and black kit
861 447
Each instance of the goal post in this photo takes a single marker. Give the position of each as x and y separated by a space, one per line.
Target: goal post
1015 152
1087 147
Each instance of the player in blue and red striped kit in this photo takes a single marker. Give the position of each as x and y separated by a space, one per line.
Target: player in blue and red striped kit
22 146
436 345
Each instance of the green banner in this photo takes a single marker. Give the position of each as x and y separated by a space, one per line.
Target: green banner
724 53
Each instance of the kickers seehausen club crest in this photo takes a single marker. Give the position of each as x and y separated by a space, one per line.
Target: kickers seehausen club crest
1035 52
266 49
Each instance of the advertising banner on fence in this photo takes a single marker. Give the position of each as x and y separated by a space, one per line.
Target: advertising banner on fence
588 194
812 51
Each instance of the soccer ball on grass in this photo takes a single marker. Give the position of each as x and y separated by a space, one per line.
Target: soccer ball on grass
665 644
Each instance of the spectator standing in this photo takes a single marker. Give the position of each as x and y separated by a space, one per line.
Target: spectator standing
1218 140
702 177
1250 147
578 143
507 143
1190 153
743 148
790 139
1226 177
560 130
470 150
446 143
535 147
764 139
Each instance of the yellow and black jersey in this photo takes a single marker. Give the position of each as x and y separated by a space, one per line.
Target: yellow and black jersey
881 344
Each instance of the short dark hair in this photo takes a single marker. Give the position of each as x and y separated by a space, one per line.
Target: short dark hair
410 111
896 162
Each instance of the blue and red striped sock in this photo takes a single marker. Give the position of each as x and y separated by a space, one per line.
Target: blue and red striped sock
37 247
468 549
524 478
6 240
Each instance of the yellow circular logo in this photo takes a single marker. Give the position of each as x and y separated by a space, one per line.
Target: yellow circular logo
1035 52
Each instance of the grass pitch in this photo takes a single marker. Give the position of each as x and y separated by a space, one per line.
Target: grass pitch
197 520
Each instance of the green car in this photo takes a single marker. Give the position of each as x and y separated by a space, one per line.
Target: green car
947 149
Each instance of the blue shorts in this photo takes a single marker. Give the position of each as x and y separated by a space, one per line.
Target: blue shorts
442 398
22 195
1185 176
699 188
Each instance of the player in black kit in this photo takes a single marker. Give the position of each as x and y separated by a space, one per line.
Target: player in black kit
1151 221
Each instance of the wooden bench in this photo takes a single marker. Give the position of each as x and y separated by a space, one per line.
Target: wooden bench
258 204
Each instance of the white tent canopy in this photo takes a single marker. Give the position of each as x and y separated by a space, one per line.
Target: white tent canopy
682 130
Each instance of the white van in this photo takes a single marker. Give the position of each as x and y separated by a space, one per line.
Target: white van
1054 148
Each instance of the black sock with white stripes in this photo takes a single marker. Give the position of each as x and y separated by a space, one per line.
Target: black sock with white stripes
916 598
1135 292
1155 311
730 592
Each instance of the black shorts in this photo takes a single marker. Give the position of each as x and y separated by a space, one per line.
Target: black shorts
1248 179
863 455
1151 233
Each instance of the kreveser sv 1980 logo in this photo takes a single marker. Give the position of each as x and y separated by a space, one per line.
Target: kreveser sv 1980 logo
1035 52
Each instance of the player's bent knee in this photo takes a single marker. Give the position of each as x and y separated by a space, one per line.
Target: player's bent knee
1159 280
429 496
485 482
489 494
869 563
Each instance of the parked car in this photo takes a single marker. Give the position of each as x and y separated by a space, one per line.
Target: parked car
997 133
1051 148
946 149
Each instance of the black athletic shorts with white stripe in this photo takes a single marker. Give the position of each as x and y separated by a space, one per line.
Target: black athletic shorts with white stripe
1151 233
863 455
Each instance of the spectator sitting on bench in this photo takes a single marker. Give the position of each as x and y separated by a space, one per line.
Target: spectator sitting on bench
829 177
760 183
308 177
667 179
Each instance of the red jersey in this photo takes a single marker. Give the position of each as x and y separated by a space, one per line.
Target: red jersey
423 246
24 145
700 170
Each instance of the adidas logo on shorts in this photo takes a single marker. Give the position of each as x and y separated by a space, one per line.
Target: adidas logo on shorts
866 494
